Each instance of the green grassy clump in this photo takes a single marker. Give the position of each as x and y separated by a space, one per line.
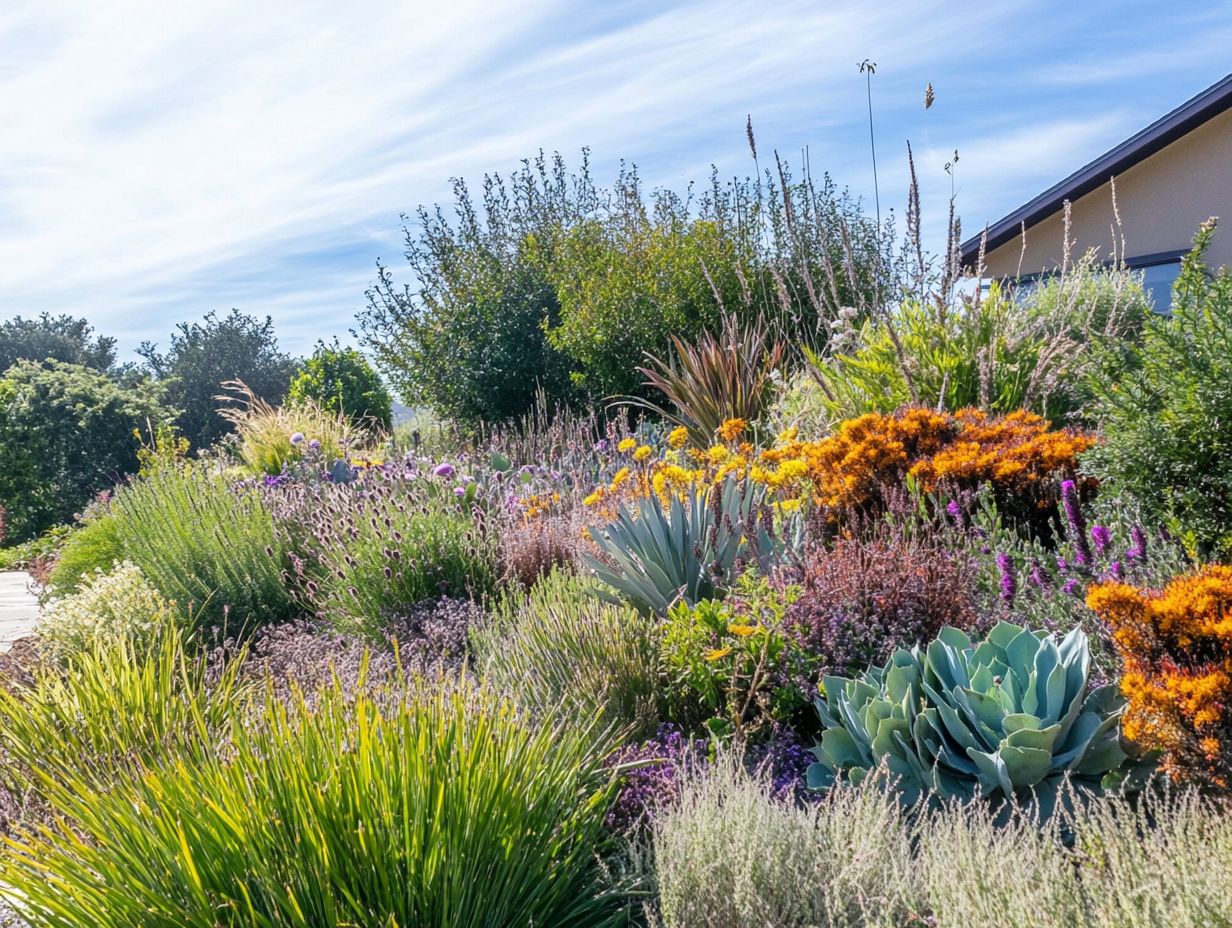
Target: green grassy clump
207 544
439 809
560 648
110 713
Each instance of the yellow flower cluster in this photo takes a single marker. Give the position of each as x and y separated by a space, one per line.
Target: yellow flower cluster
1176 645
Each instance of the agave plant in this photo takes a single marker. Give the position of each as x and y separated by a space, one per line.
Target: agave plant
1010 718
692 550
718 378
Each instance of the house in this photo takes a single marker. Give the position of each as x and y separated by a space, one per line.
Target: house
1169 177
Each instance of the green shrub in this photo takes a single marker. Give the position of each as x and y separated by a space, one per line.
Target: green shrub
91 547
555 283
1010 718
62 338
728 855
111 712
207 544
470 341
446 809
997 352
724 661
66 433
118 605
1165 408
341 381
561 649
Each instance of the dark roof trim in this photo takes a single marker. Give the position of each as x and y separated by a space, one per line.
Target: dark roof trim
1181 121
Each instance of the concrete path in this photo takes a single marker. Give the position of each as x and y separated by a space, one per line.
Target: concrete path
18 607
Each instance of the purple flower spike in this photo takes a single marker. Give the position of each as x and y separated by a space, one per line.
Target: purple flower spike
443 470
1137 550
1009 583
1071 587
459 491
1077 523
1062 564
1102 537
297 438
954 510
1115 571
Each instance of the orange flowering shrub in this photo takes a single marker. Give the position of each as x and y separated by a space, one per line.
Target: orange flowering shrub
1176 645
1017 454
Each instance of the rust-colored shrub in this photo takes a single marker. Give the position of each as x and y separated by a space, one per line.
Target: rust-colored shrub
864 597
1176 645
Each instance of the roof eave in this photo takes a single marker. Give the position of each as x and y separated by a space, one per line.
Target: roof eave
1154 138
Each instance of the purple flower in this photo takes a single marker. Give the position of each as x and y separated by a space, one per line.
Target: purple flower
443 470
459 491
647 788
954 510
1039 577
1102 537
315 444
1137 550
602 446
297 438
1077 523
1009 582
1115 571
1072 587
1062 564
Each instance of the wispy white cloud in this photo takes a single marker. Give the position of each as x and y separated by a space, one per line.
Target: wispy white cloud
160 160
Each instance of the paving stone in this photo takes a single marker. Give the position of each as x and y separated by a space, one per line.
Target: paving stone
18 607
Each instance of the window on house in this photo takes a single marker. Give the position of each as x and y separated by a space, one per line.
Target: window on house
1159 273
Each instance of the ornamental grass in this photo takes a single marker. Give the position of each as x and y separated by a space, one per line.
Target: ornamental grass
444 809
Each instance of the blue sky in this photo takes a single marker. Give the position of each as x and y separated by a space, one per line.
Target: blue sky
159 160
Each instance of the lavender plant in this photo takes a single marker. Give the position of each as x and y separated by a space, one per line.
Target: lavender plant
365 552
1043 582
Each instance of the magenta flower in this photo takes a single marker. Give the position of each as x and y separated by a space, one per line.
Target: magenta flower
1137 550
443 470
459 491
1102 537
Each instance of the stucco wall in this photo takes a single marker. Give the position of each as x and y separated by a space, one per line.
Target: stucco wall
1161 201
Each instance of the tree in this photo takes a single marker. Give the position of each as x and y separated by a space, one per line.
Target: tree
340 380
552 283
203 355
66 432
60 338
471 340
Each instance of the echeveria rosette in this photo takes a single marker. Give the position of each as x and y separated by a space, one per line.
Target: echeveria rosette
1010 718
